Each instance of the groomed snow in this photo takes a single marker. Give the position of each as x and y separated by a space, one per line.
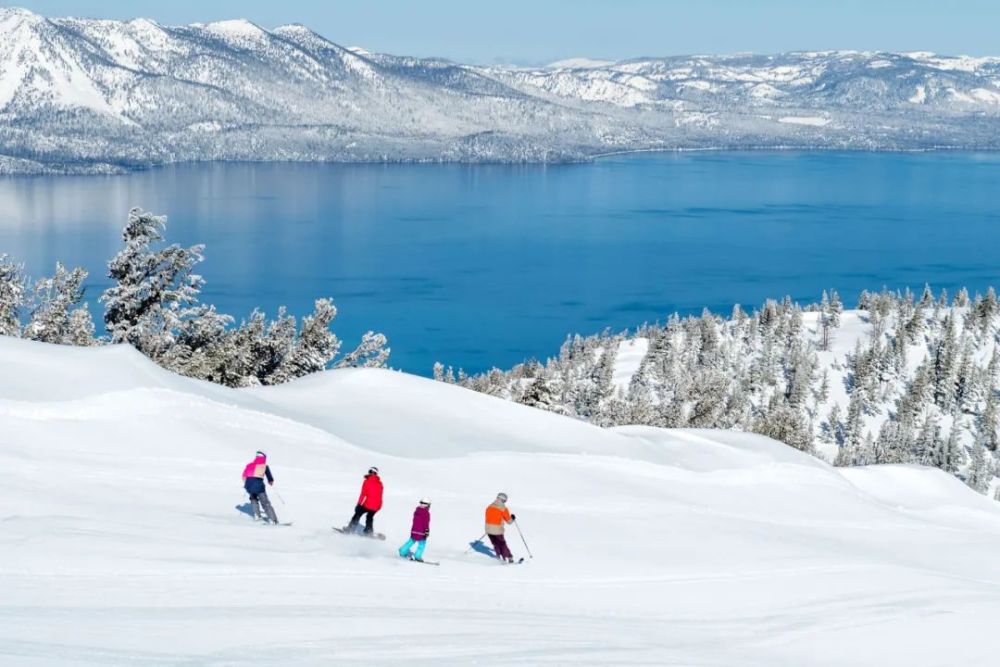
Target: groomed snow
121 544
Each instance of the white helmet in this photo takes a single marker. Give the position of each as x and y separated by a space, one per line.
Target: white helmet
502 497
426 502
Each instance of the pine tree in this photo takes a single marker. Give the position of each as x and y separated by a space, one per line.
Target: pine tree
927 298
986 310
709 393
949 455
55 301
13 292
153 290
835 426
315 347
987 433
964 377
80 331
823 393
853 427
978 476
894 443
787 425
539 394
836 308
929 441
370 353
943 356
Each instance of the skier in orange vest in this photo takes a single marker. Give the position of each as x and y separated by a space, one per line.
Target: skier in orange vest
497 515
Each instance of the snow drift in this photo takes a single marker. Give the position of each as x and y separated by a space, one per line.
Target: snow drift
121 541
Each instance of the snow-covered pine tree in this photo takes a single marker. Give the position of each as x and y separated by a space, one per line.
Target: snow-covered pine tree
13 293
540 395
783 422
315 347
978 475
370 353
836 308
55 301
928 442
987 425
154 288
854 425
950 455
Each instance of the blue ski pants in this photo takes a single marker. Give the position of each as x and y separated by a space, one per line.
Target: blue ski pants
404 550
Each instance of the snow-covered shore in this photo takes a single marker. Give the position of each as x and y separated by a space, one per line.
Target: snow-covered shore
121 542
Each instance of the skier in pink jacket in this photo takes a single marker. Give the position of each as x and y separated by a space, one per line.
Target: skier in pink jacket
419 531
254 475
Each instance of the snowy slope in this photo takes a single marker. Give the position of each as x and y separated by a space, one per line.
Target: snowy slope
108 95
121 542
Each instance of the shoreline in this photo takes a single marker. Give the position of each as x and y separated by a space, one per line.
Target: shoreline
102 169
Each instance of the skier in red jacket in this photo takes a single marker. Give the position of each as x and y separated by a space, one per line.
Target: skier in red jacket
369 502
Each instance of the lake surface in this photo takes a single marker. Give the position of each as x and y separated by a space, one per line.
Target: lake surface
482 265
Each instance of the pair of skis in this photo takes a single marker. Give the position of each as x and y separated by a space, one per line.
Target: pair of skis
420 560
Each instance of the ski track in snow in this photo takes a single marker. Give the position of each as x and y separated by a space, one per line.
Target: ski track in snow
121 542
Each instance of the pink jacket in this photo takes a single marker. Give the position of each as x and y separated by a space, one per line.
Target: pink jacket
255 468
421 523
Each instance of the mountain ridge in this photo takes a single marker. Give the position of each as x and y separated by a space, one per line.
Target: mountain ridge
105 95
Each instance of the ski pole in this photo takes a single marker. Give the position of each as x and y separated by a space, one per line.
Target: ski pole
522 539
279 497
472 544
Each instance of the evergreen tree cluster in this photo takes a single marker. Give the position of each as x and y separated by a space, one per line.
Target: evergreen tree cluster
153 304
906 380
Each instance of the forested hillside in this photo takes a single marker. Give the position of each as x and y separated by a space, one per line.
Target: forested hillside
901 379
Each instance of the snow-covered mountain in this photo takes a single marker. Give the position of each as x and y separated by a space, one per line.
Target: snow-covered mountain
122 543
101 95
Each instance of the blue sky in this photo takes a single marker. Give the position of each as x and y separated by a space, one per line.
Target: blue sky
534 31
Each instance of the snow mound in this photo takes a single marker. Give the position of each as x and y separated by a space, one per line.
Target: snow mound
121 534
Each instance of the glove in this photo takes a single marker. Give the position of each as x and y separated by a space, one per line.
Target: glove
271 483
427 533
513 517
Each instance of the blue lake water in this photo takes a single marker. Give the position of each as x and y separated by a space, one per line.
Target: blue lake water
487 265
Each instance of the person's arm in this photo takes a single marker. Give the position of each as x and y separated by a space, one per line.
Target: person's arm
507 516
363 495
267 473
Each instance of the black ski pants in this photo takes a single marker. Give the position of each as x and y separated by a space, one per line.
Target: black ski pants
369 519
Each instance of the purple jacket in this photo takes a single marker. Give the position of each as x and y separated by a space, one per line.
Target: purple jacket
421 523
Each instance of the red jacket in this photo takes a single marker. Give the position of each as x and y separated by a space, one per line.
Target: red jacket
371 493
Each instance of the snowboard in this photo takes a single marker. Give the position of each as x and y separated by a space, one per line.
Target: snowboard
354 533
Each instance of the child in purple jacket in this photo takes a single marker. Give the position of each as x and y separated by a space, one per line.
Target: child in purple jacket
419 531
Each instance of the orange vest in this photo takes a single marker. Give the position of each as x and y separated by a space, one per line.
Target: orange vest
497 515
